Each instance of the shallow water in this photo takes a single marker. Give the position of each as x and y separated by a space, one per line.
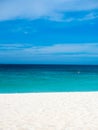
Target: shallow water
48 78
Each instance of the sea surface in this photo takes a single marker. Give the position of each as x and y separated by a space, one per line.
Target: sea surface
48 78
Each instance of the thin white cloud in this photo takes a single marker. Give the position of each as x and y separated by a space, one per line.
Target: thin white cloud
56 49
65 49
89 16
57 53
5 47
34 9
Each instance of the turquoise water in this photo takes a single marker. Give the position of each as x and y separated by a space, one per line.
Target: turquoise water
48 78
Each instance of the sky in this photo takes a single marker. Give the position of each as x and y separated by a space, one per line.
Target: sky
49 32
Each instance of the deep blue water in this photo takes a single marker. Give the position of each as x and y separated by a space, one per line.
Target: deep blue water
48 78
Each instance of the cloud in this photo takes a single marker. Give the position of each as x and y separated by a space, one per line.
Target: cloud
86 53
10 47
65 49
89 16
34 9
56 49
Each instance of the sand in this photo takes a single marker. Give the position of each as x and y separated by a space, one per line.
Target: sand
49 111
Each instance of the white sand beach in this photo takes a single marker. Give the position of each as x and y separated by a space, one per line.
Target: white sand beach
49 111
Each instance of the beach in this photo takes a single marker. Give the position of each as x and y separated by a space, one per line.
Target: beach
49 111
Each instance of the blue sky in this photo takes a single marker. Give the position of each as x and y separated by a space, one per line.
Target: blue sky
50 32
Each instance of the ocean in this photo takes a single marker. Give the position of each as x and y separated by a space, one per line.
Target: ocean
48 78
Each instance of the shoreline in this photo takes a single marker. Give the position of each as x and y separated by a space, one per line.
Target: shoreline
66 92
49 111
